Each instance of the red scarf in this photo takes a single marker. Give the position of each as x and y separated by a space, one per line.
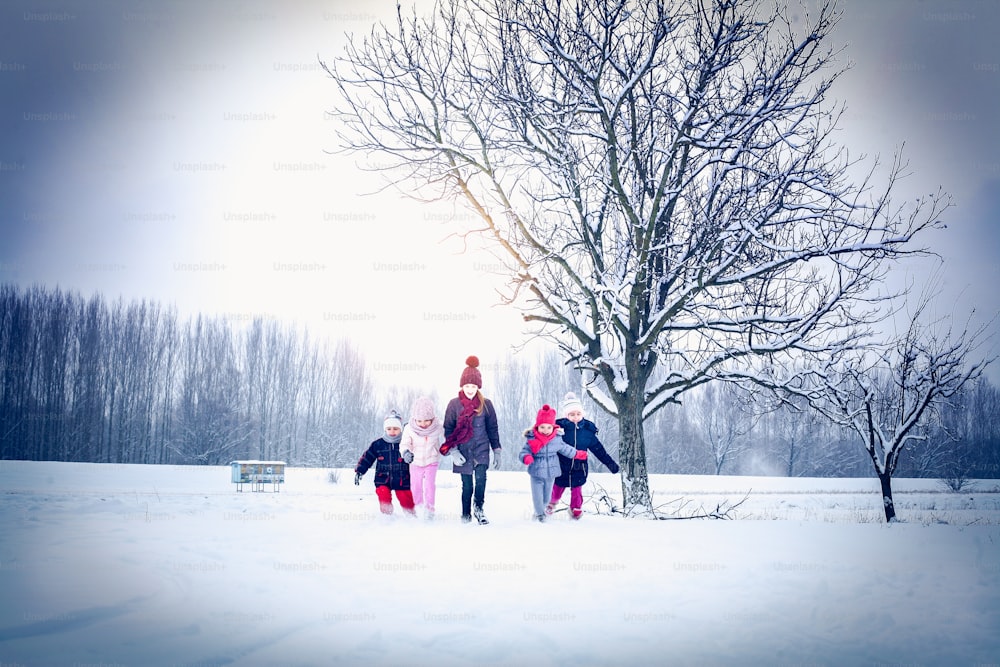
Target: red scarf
539 441
463 426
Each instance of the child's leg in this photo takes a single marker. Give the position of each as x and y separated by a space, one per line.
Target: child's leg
479 472
384 499
430 486
549 487
576 501
405 498
417 483
466 495
538 488
557 494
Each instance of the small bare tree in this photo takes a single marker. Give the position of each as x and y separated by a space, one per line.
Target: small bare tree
887 397
723 418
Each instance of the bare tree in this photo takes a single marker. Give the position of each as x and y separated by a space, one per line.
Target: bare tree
887 397
723 418
659 178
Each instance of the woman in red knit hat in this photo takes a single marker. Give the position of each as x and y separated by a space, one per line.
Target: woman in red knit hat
471 433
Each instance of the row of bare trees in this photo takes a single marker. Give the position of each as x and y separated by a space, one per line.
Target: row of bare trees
87 380
719 430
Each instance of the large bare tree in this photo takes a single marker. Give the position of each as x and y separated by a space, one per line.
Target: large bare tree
659 177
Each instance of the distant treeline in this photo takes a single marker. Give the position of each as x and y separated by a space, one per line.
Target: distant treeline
83 379
129 382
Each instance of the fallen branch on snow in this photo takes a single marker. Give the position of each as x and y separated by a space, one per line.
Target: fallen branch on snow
606 505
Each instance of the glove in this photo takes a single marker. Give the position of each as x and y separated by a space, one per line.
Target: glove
581 455
496 459
529 459
357 479
457 458
407 456
614 468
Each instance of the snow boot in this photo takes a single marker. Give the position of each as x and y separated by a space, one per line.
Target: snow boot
480 516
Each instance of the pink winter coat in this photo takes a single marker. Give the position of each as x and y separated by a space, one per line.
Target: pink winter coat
424 448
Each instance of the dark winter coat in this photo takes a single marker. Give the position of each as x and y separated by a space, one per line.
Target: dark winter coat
485 435
390 468
582 435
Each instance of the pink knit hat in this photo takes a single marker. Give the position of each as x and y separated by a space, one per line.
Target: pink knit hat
423 408
547 415
471 373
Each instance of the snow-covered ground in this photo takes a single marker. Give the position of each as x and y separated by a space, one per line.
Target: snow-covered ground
146 565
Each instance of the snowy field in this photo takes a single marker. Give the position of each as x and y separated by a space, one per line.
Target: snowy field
145 565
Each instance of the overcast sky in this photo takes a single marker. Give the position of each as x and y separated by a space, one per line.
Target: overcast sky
174 152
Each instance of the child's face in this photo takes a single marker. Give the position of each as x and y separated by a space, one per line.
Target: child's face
393 431
424 423
545 429
470 390
575 416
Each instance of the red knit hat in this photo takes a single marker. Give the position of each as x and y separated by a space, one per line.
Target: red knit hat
547 415
471 373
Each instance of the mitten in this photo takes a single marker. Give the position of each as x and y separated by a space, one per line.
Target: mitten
581 455
496 459
357 479
457 458
529 459
614 468
407 456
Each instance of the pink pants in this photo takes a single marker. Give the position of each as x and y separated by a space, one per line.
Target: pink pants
423 483
575 498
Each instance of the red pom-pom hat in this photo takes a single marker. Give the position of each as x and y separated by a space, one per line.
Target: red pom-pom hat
471 374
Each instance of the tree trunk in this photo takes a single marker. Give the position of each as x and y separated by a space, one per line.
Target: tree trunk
885 479
632 450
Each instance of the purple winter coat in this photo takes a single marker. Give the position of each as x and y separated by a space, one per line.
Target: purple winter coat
485 435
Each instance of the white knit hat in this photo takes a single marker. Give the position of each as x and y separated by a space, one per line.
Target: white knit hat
392 419
570 402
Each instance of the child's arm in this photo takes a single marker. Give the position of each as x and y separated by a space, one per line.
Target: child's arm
406 443
366 461
525 451
450 417
569 451
602 455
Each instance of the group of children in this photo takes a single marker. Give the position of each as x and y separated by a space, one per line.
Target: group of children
406 458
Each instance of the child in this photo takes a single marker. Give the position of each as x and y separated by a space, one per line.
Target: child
471 431
422 436
391 472
541 454
581 433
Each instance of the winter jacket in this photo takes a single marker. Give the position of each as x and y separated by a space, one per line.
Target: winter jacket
390 468
485 435
546 463
424 448
582 435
